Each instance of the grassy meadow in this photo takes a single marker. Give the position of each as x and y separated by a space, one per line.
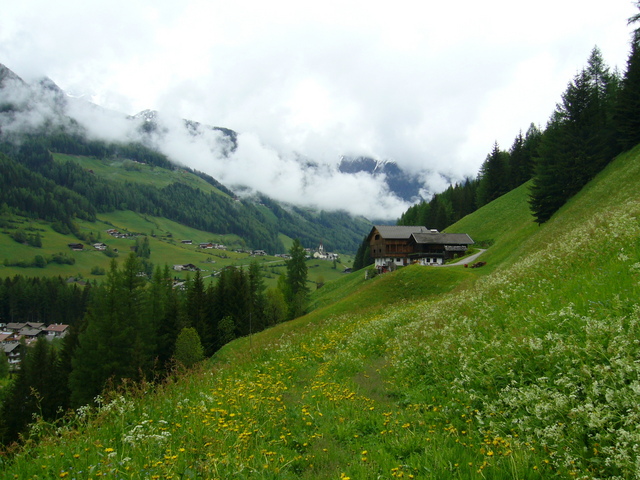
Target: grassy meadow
165 240
524 369
164 235
120 170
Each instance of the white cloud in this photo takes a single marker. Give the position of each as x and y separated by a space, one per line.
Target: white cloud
429 85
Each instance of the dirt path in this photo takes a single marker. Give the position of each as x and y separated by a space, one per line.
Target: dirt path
470 259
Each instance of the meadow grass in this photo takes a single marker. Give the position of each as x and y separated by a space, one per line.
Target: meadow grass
122 171
527 370
164 237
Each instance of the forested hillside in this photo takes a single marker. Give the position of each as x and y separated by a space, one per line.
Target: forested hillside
36 183
596 119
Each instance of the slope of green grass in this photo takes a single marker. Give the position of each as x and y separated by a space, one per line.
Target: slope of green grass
526 370
503 224
165 240
127 171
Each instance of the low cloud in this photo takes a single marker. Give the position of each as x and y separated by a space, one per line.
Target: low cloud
256 167
252 167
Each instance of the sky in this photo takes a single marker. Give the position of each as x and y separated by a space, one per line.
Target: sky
429 85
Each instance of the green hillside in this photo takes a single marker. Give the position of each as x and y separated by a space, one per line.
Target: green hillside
123 170
165 241
526 368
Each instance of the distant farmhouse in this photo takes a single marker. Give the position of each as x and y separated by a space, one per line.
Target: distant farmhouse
188 267
395 246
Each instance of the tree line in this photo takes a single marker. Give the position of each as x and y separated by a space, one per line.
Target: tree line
597 118
129 329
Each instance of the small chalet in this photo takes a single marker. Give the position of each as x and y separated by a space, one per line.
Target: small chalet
100 246
31 333
76 247
14 352
56 330
393 246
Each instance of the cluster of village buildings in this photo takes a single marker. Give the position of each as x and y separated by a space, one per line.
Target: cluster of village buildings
14 337
319 254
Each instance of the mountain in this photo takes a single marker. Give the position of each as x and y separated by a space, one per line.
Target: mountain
149 125
405 185
39 125
378 189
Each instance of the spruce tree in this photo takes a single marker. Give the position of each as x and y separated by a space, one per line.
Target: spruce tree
197 310
627 114
493 177
578 141
296 280
118 342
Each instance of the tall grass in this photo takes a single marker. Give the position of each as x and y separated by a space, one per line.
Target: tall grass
530 371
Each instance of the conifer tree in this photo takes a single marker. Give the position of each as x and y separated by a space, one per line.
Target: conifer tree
296 280
257 290
198 312
118 341
38 389
493 177
164 313
578 141
627 113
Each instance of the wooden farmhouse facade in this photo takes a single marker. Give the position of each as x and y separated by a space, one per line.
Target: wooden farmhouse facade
394 246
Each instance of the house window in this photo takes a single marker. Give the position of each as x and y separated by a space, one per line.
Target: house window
377 237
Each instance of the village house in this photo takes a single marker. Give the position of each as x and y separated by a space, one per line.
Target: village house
100 246
394 246
76 247
31 333
189 267
13 350
56 330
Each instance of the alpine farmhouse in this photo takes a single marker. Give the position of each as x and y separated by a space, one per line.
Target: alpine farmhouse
395 246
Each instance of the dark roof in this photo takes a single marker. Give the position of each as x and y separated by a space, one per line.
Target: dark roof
9 347
15 326
398 232
442 238
31 332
